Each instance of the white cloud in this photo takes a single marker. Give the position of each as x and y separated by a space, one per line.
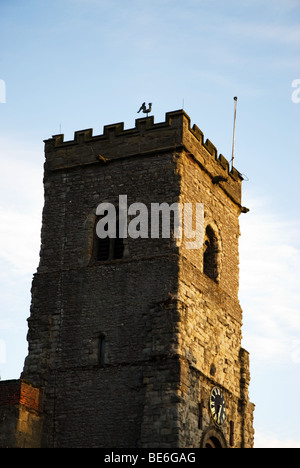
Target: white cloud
21 175
269 284
21 199
271 440
269 32
20 239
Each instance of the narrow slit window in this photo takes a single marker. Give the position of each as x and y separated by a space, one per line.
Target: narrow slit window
231 433
200 415
101 350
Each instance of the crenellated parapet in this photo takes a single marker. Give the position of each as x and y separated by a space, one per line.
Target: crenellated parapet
147 138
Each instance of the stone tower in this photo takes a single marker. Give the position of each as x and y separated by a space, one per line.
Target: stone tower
136 342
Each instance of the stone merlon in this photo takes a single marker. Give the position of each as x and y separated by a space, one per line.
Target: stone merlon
145 139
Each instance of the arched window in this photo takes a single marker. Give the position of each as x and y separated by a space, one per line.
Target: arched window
109 248
213 442
210 255
213 438
118 244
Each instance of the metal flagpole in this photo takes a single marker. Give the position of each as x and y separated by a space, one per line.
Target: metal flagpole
233 142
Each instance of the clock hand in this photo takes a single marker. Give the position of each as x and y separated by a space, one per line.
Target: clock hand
220 414
217 412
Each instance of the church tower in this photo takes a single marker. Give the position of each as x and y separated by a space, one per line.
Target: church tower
135 340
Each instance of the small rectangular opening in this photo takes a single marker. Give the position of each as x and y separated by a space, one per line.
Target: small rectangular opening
231 434
200 415
101 350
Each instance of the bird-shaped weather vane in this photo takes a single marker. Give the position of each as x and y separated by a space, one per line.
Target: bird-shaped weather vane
144 108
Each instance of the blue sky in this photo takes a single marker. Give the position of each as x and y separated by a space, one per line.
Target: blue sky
68 65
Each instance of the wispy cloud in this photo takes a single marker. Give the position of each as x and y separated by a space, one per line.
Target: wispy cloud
19 238
270 440
269 288
21 175
263 31
21 199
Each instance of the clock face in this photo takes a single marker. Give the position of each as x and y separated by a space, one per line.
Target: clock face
217 406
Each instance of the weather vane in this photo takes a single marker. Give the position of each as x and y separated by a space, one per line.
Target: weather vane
144 108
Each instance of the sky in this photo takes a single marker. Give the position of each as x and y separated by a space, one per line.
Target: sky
69 65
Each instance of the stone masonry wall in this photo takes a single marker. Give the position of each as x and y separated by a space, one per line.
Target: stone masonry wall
75 298
210 334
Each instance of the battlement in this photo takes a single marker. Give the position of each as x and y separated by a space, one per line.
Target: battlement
174 122
147 138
